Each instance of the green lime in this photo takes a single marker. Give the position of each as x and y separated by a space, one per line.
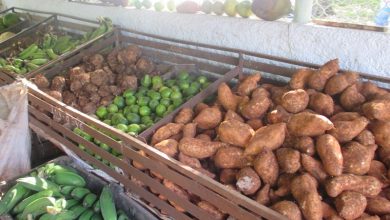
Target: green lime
144 110
170 109
130 100
170 82
134 108
166 93
153 104
135 128
160 110
119 101
112 108
127 110
154 95
177 102
162 88
196 85
121 127
145 119
175 88
157 82
176 95
143 101
133 118
202 79
107 121
128 93
101 112
119 119
184 85
109 115
146 81
104 147
183 75
142 90
78 131
191 91
165 101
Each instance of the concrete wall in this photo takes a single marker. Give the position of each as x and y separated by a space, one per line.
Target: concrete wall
363 51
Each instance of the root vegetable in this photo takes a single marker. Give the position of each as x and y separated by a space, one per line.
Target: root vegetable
199 148
169 147
99 77
231 157
69 98
235 132
262 196
357 158
345 116
351 98
246 86
255 107
228 176
300 78
145 66
378 206
226 97
208 118
209 208
255 123
189 161
381 131
278 115
313 167
55 94
288 159
366 216
329 212
367 185
137 164
288 209
284 182
370 90
266 165
204 137
129 55
295 101
340 82
345 131
304 145
231 115
319 78
166 132
322 104
199 107
189 130
308 124
268 137
184 116
248 182
58 83
378 170
377 109
329 150
179 191
350 205
365 137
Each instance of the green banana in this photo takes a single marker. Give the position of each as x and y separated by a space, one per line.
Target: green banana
78 210
38 207
39 55
11 68
51 54
32 66
65 215
97 216
62 44
89 200
79 193
53 41
69 178
107 205
86 215
22 205
61 203
52 168
39 61
17 63
46 41
70 203
66 190
96 206
38 184
47 216
12 197
28 51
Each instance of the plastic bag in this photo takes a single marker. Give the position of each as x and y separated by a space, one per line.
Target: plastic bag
15 142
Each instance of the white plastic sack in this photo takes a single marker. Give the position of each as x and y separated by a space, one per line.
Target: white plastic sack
15 142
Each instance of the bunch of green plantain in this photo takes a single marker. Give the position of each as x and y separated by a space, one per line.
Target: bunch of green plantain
49 48
57 192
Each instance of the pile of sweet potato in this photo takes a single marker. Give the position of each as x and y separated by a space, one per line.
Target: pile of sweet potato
98 79
317 148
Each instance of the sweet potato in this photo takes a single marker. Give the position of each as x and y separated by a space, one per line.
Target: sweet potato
204 137
268 137
255 107
235 133
227 176
178 190
137 164
340 82
319 78
255 123
304 145
300 78
345 131
365 137
295 101
351 98
313 167
278 115
266 165
370 90
378 170
308 124
350 205
189 161
233 115
328 211
209 118
378 205
322 104
357 158
277 93
184 116
248 84
366 216
288 209
262 196
381 131
284 182
377 109
367 185
345 116
248 182
189 130
231 157
289 160
329 150
218 215
169 147
199 107
228 100
304 190
166 132
199 149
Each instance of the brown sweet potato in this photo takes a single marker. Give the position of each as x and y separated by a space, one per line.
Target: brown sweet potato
209 118
199 149
268 137
319 78
248 84
340 82
231 157
329 150
169 147
357 158
328 211
377 109
365 137
189 130
277 93
166 132
204 137
313 167
137 164
366 216
248 182
367 185
226 98
255 107
199 107
288 209
284 182
233 115
266 165
378 205
278 115
304 145
322 104
289 160
300 78
184 116
378 170
295 101
304 190
262 196
189 161
218 215
350 205
308 124
235 133
384 155
345 131
370 90
345 116
228 176
179 191
381 131
255 123
351 98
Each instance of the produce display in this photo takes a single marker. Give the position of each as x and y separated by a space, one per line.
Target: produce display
317 148
30 57
57 192
8 20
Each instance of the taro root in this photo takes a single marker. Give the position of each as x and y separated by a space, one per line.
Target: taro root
58 83
145 66
129 55
96 60
41 81
55 94
99 77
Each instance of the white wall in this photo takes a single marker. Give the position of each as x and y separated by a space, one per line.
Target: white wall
362 51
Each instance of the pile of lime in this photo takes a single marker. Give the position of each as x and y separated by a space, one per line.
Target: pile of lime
134 111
